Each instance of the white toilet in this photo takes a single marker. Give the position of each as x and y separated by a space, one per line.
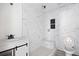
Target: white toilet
69 44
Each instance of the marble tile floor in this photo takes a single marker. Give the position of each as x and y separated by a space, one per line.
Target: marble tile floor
61 53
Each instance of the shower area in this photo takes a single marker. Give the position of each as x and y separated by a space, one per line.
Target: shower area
38 28
52 28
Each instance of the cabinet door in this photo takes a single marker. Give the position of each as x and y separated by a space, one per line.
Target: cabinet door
21 51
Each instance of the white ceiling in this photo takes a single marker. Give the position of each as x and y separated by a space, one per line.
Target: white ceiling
55 6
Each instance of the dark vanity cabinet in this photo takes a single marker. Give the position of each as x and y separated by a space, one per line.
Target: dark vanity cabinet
6 53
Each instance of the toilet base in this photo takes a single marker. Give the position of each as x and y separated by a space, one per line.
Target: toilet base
68 53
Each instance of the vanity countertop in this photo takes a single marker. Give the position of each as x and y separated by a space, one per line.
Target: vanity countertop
11 43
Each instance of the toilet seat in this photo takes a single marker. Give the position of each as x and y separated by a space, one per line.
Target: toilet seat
69 44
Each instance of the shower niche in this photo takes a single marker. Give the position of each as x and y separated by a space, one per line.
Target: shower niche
52 23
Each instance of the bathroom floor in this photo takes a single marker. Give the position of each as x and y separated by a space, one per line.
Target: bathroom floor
61 53
42 51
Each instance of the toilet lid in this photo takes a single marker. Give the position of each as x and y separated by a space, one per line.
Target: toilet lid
69 43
